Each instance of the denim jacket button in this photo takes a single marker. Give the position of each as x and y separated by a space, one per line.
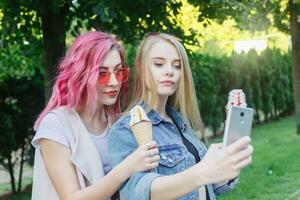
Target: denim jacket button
163 156
171 160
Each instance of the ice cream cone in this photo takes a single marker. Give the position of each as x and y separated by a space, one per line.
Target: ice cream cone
142 132
236 97
141 125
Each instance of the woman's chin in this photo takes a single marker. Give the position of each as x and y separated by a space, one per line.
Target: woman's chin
109 101
165 92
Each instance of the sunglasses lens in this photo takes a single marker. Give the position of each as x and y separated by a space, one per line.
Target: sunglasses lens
122 74
104 78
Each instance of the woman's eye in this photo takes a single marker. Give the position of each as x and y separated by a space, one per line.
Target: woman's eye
177 66
158 64
103 73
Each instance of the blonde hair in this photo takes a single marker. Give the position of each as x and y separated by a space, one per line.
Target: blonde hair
183 100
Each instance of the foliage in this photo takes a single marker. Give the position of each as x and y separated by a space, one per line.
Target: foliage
21 98
266 80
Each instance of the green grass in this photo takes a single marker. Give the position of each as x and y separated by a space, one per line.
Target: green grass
6 187
275 170
24 196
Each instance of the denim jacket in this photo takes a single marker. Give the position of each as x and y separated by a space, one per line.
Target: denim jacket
174 156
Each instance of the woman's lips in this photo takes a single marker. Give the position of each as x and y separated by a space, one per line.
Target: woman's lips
168 83
112 93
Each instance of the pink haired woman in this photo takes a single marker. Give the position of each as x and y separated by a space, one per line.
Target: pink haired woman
71 157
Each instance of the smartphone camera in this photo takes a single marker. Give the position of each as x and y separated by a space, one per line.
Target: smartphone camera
242 114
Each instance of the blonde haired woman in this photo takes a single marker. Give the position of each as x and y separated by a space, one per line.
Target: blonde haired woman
163 86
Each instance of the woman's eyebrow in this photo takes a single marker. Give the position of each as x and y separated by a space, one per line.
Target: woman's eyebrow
159 58
117 65
177 60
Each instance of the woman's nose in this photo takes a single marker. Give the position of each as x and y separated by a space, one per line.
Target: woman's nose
169 70
113 80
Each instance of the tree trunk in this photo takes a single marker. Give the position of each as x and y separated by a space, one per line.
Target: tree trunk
54 36
257 117
295 34
11 174
272 117
21 168
266 116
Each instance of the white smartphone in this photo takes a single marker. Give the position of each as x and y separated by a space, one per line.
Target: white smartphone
238 124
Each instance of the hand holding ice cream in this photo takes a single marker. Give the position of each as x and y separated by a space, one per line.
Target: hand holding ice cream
141 127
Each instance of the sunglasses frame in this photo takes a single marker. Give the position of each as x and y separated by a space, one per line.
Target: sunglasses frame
124 67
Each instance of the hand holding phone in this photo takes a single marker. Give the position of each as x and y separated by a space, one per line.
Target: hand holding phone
238 124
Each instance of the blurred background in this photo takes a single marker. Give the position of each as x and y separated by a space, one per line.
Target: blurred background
253 45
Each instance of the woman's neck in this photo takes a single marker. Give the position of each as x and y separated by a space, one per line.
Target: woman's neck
160 107
96 123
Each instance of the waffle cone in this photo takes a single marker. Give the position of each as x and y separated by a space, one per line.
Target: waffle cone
142 132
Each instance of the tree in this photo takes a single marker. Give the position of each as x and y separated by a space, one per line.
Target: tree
46 22
294 9
259 15
18 110
21 99
283 15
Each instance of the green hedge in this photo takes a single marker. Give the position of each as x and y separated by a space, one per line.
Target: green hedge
265 78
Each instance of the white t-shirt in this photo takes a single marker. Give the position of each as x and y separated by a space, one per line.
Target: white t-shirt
101 144
51 128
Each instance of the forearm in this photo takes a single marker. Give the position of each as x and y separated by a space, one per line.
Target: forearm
177 185
104 188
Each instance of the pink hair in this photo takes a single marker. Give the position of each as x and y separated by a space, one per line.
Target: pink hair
78 73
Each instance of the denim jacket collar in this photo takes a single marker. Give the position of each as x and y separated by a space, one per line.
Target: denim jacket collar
156 118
